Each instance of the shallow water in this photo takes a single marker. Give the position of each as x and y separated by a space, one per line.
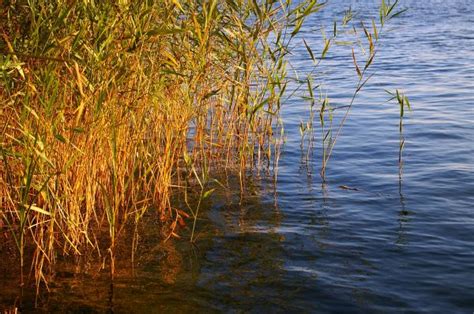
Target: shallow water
388 246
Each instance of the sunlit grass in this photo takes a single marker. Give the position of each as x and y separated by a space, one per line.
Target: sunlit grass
108 108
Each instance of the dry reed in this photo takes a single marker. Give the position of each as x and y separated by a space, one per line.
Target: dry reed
109 108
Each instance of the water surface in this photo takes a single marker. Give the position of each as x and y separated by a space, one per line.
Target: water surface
390 246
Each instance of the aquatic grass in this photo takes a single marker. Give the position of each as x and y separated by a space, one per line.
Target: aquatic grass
110 109
403 102
368 44
112 112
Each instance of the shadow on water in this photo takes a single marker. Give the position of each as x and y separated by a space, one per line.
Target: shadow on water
237 255
241 260
403 217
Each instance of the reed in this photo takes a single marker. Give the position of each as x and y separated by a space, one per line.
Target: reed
107 109
364 42
403 102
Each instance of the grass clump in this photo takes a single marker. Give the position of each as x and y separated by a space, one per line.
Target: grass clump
107 107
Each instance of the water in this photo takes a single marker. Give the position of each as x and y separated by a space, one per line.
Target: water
390 246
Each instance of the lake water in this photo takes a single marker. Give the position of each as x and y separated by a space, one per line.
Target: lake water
389 246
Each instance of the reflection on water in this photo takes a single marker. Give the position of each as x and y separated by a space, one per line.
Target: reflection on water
391 243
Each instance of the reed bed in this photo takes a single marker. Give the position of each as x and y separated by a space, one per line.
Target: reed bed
108 108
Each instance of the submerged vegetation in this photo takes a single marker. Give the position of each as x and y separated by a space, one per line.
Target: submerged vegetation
108 109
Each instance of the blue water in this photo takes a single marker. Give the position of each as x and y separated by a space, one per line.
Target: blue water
393 245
